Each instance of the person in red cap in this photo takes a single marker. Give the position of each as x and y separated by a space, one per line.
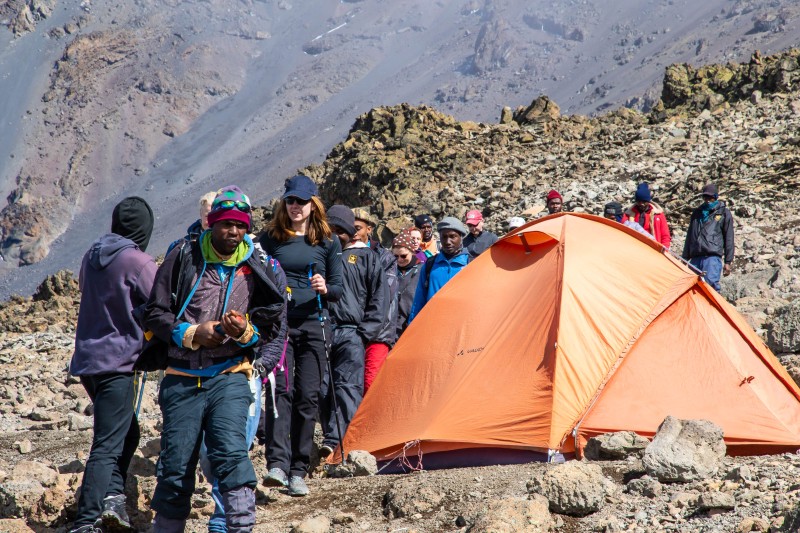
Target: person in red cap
478 241
555 204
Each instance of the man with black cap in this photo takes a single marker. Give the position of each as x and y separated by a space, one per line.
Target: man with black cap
377 350
357 319
429 245
709 240
440 268
115 278
648 215
224 305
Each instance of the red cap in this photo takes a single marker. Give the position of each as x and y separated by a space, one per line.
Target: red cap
553 194
474 216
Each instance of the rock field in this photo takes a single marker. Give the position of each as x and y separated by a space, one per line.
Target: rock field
738 125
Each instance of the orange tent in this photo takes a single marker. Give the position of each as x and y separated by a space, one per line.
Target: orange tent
569 327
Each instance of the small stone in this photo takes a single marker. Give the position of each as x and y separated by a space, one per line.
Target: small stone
716 500
24 446
79 423
318 524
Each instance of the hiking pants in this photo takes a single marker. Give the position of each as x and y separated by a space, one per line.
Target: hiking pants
711 265
116 437
214 409
374 357
347 361
290 436
217 523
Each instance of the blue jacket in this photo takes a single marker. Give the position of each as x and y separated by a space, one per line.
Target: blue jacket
116 277
443 269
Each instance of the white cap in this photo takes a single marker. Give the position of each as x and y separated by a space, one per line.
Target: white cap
515 222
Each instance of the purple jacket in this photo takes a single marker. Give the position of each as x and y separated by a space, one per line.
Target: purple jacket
116 277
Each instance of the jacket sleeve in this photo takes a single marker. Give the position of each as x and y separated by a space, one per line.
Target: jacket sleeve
377 304
727 236
270 353
159 315
420 295
333 270
663 233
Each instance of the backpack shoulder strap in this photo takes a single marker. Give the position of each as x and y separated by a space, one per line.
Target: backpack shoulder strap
427 272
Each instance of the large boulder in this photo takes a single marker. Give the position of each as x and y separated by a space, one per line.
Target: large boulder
573 488
614 446
684 450
783 330
515 516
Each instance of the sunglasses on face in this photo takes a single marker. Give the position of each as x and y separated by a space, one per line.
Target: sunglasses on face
230 204
294 200
401 256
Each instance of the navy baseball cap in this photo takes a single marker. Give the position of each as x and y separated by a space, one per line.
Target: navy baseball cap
301 187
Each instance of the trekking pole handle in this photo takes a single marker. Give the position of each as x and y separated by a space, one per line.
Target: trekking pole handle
311 268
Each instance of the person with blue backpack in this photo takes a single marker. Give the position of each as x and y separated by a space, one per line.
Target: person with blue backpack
226 305
440 268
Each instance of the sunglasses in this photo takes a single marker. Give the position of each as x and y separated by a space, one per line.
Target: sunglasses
230 204
294 200
402 256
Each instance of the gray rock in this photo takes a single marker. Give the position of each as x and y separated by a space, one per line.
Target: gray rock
359 463
645 485
574 488
79 423
514 515
33 471
18 498
783 332
24 446
684 450
740 474
716 500
612 446
318 524
410 497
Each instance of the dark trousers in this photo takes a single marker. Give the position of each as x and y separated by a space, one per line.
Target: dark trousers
291 435
217 408
347 362
116 436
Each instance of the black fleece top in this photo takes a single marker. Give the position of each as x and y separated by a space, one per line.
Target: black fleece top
294 256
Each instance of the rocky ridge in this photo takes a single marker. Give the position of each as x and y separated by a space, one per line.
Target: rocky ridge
402 160
736 125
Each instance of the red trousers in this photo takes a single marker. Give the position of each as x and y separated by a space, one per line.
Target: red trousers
374 356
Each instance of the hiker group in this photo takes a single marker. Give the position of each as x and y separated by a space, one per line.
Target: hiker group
309 310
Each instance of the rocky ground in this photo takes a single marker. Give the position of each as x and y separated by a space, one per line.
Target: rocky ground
734 124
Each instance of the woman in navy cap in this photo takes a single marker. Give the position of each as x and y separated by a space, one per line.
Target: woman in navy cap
300 238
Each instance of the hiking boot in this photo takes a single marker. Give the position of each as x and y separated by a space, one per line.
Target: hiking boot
325 451
89 528
276 478
115 517
297 486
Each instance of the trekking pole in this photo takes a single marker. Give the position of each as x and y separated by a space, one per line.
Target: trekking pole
142 381
328 361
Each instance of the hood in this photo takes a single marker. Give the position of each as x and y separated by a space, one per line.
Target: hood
106 248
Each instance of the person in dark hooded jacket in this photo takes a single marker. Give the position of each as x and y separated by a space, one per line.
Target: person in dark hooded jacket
709 245
115 278
357 319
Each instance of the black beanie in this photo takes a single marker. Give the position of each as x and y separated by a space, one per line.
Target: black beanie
133 219
342 216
